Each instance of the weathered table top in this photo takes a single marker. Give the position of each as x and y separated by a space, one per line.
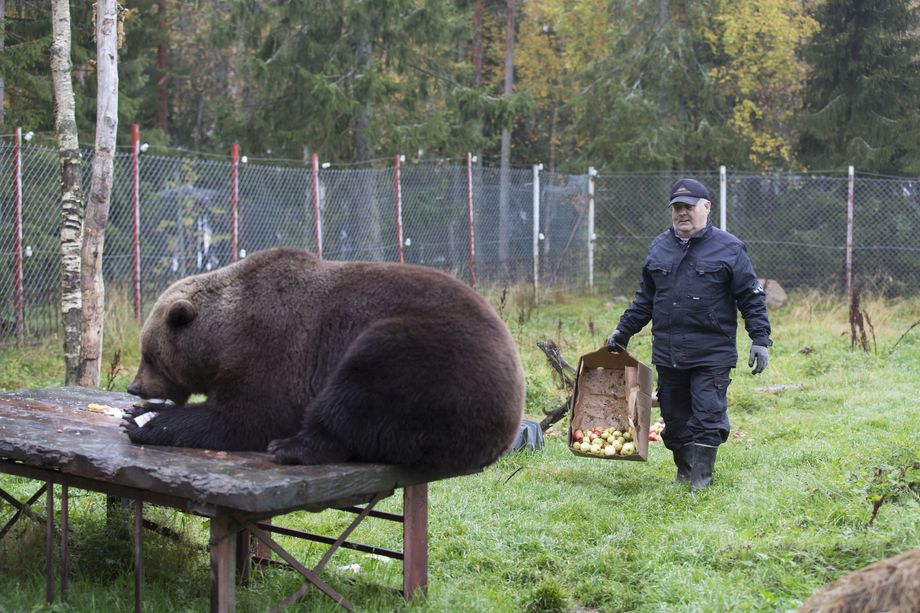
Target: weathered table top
53 429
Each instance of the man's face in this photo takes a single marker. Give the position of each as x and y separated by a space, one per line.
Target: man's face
689 219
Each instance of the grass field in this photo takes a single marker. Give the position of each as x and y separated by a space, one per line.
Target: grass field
789 510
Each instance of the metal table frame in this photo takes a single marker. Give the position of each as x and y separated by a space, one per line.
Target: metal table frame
233 528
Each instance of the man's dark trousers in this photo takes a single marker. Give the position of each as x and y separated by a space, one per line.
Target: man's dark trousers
694 405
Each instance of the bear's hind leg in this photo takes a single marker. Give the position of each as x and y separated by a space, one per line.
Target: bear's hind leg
308 447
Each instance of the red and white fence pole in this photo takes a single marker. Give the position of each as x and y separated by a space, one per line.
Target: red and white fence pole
469 217
136 218
399 229
234 197
317 220
17 236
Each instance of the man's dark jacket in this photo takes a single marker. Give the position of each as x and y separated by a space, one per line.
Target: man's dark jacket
692 293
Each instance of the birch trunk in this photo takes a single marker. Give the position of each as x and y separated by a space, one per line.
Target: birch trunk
2 41
100 192
71 188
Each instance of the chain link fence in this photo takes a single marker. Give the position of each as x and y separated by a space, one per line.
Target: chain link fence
484 225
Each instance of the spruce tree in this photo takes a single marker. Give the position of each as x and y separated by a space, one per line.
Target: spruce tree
354 80
861 99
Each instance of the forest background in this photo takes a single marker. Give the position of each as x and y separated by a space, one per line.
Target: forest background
622 85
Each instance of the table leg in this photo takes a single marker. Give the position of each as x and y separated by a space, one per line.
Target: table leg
243 556
65 543
415 539
49 544
223 565
138 553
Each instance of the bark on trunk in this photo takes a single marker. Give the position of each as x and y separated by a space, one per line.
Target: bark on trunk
477 42
504 192
65 124
162 68
97 209
2 41
364 151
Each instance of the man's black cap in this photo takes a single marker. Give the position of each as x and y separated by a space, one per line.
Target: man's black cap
689 191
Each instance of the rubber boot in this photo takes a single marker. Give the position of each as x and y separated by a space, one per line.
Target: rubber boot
704 460
683 458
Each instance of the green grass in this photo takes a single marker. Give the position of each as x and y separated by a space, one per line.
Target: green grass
789 509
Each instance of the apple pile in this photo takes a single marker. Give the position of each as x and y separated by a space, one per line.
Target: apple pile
654 431
605 442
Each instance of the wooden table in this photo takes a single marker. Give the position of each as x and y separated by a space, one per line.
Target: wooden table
50 435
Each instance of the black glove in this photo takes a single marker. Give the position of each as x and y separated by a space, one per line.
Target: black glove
617 342
759 355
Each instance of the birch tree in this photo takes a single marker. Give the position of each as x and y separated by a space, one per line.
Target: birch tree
97 208
65 123
2 41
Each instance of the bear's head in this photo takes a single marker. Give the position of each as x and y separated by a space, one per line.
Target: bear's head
174 350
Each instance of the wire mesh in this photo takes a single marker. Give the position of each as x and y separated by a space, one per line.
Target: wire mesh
794 225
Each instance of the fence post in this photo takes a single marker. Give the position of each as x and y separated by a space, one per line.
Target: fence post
723 202
234 196
469 216
136 219
850 198
317 221
399 228
536 228
592 172
17 236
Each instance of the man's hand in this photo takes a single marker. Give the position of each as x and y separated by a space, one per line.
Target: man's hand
617 342
759 355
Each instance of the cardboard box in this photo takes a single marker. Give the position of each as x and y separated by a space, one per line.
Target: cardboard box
612 389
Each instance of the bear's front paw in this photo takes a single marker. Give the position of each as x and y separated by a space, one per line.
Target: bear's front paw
133 425
135 411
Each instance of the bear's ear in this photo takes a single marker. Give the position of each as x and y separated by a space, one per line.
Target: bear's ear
181 312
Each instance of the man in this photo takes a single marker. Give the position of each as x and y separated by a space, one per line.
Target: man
694 281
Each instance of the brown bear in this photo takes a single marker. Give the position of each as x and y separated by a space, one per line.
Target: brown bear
318 361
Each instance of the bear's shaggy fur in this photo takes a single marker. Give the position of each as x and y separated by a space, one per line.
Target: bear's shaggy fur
319 361
891 585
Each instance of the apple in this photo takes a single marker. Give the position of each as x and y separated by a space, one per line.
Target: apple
627 436
595 448
610 450
628 449
578 435
585 447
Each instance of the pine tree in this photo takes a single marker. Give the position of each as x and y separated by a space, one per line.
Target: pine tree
861 100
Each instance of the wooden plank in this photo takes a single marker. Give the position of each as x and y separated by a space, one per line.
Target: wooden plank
52 428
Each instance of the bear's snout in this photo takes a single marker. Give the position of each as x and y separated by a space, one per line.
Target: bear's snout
135 389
